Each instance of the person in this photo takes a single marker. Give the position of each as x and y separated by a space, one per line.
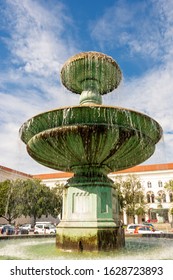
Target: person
17 229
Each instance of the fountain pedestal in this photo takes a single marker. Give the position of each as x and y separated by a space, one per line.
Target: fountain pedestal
90 215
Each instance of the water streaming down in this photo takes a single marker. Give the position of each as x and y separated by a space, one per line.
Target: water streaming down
90 140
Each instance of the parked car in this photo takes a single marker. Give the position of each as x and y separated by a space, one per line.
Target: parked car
131 228
1 226
26 228
146 229
8 230
44 228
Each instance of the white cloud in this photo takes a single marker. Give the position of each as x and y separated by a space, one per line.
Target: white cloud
37 42
30 82
151 93
145 27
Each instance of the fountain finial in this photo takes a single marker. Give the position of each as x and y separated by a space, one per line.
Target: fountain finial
91 74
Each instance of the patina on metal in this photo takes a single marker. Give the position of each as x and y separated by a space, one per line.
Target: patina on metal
90 140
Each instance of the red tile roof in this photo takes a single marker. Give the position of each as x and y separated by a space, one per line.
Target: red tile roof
15 171
138 168
145 168
61 175
57 175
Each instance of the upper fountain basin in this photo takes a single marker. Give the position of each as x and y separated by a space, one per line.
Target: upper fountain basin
114 137
91 70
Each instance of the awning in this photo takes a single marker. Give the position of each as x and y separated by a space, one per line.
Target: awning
159 210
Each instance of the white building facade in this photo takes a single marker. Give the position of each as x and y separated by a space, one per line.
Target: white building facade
152 178
159 201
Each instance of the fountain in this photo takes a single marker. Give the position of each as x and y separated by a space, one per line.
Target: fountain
90 140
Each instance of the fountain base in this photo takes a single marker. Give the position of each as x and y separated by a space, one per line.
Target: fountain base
90 239
90 214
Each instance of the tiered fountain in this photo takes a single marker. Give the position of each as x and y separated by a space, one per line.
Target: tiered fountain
90 140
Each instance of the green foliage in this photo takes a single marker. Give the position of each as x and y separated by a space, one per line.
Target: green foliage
29 198
118 185
38 200
169 185
140 211
131 195
10 197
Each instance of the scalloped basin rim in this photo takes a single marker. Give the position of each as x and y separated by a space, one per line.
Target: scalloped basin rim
76 115
91 106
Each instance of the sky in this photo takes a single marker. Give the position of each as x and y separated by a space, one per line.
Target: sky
38 36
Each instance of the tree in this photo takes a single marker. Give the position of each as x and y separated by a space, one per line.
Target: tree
131 195
10 206
58 193
118 186
29 198
38 200
169 187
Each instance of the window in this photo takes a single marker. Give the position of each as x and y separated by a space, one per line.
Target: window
150 197
149 184
171 197
40 226
160 184
162 196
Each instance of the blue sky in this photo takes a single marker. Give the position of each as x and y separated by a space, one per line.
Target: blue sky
37 37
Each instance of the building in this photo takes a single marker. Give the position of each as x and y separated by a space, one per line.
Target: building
152 177
11 174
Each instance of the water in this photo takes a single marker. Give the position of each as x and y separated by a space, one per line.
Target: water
45 249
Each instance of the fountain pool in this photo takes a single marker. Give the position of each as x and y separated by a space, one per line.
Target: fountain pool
138 248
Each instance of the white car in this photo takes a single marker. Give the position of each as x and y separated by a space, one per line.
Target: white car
26 226
131 228
44 228
146 229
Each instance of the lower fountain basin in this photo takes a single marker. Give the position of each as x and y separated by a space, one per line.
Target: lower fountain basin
100 136
40 248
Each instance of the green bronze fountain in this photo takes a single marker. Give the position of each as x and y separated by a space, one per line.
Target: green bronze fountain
90 140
